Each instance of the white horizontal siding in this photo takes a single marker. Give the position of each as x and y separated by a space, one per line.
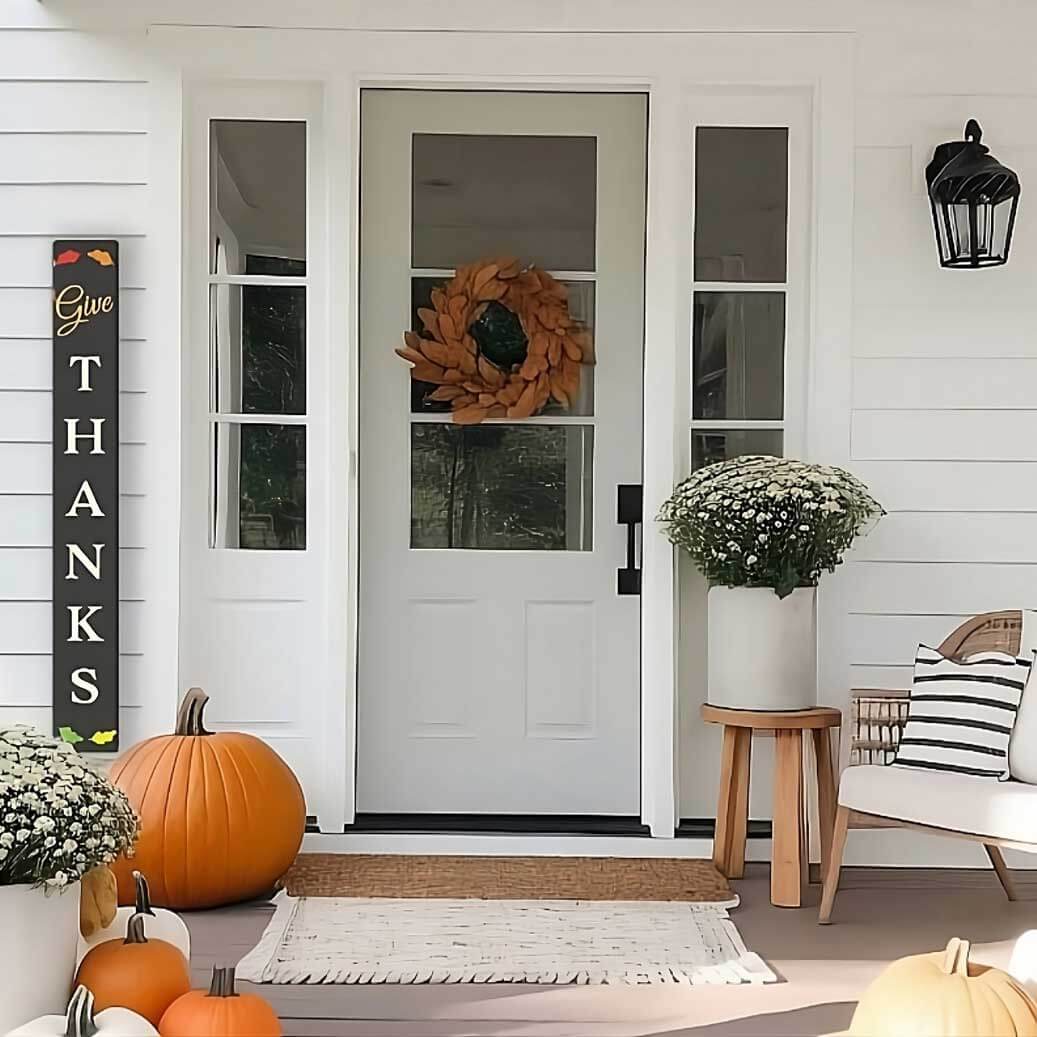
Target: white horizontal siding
74 121
25 261
28 364
72 56
944 435
99 158
890 640
945 383
951 485
74 210
25 468
25 312
25 628
72 108
939 588
25 521
25 417
954 536
25 680
132 720
27 574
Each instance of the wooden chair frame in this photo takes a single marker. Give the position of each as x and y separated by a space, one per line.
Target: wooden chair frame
991 631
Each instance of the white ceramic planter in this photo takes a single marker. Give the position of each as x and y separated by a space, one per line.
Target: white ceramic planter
762 648
38 935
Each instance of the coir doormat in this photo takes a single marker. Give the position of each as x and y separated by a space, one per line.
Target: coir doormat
506 878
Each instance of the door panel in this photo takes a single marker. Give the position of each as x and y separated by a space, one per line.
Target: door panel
498 666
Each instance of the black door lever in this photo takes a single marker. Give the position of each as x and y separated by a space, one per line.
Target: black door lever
630 513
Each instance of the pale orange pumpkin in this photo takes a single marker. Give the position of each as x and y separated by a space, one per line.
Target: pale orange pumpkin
222 815
145 976
222 1012
944 994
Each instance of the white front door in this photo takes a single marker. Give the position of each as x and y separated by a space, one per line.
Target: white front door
498 662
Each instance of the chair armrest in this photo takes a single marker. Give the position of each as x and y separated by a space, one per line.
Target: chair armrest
877 718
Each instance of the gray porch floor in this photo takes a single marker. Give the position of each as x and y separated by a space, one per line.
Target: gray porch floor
880 915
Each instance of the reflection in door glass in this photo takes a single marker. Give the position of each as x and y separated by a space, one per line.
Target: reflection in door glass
739 355
531 197
741 203
497 487
259 493
711 445
257 197
258 343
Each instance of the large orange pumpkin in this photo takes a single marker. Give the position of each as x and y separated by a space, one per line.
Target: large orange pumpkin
222 1012
222 815
144 975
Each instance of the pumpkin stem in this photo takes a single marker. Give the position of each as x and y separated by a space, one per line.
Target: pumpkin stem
956 958
79 1019
135 929
189 715
222 982
143 903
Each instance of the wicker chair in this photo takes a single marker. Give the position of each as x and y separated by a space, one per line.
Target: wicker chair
878 717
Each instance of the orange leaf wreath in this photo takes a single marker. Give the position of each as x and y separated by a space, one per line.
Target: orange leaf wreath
447 355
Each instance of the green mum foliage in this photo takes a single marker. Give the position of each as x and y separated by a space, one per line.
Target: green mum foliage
772 522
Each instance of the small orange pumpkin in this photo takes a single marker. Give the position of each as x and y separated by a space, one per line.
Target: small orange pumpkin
144 975
222 815
222 1012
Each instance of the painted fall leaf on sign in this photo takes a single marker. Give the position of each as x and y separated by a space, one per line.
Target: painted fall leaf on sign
70 735
70 255
101 256
103 737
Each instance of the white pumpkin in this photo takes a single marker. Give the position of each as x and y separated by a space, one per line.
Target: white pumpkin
1023 964
80 1021
159 924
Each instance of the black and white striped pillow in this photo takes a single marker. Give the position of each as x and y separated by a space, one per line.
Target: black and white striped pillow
961 714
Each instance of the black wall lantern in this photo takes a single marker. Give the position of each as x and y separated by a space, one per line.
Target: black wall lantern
973 198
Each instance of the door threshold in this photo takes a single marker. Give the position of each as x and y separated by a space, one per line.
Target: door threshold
500 824
510 845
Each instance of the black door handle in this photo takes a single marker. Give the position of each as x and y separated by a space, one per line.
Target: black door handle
630 513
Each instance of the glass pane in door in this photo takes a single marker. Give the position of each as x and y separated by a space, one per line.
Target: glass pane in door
480 195
499 487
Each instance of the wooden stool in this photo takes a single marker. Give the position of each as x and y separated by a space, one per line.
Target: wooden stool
789 854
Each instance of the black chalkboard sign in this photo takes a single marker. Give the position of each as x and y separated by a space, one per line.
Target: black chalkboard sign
86 494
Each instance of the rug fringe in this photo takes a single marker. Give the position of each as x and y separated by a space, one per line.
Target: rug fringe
263 964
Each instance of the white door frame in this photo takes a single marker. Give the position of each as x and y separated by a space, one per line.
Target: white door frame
670 68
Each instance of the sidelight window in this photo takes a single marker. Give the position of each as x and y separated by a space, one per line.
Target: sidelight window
257 277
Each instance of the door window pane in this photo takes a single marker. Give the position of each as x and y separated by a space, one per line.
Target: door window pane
581 306
739 356
258 340
479 195
260 486
741 203
257 195
711 445
498 487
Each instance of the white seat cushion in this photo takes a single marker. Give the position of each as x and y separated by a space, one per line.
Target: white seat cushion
958 802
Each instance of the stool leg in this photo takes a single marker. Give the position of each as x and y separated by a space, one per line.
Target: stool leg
826 793
787 841
733 806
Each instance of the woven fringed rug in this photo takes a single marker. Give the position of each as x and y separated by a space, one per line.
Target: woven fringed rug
390 940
